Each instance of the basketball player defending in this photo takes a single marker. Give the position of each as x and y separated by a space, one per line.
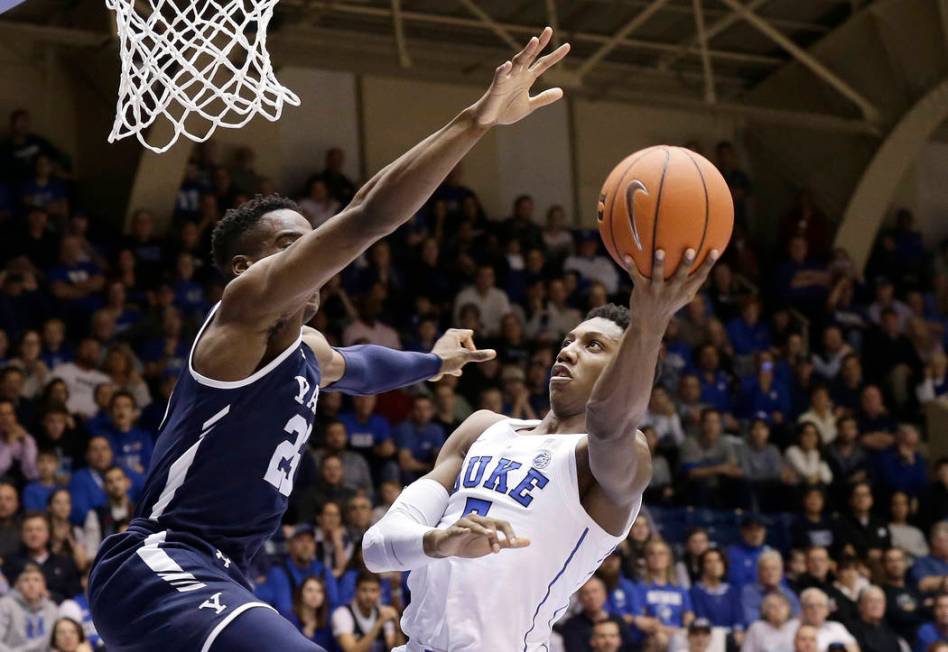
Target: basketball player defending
243 410
566 488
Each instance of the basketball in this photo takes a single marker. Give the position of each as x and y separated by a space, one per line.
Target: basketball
667 198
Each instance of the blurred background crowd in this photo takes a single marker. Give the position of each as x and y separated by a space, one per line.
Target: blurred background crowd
794 506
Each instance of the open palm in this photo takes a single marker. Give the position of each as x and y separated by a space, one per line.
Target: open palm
508 99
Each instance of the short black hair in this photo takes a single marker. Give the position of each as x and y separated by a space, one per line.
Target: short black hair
367 577
612 312
227 240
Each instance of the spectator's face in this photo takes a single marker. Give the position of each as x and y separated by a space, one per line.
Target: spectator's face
872 401
364 405
12 383
709 358
890 324
820 400
939 543
7 417
697 543
46 465
423 411
185 266
492 399
330 518
54 331
861 499
760 433
832 339
444 399
848 431
657 557
809 438
43 167
99 454
336 437
34 534
711 426
908 437
66 636
557 292
775 610
61 505
814 610
31 585
805 640
583 356
894 564
798 250
852 371
485 278
30 346
941 611
641 530
872 606
302 548
713 567
690 389
20 125
116 484
360 512
524 208
587 248
817 563
592 596
335 159
367 595
899 506
70 250
813 502
9 501
103 395
770 572
605 637
332 470
389 492
699 640
89 351
312 595
123 412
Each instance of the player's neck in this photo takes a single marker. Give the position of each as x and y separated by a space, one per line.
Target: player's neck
555 425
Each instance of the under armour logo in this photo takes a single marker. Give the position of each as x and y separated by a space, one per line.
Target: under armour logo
634 187
214 602
221 556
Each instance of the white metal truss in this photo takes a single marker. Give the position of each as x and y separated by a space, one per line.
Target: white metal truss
709 94
617 38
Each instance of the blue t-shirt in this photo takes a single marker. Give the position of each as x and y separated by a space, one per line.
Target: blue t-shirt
624 599
926 567
365 436
928 634
424 441
36 496
755 400
278 590
721 605
747 338
717 392
893 471
667 603
742 564
752 596
73 275
131 449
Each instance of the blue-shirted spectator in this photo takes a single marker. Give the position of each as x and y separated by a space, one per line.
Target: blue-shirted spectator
36 493
419 441
742 557
762 394
369 433
713 598
286 578
660 605
76 283
621 592
87 486
311 612
747 333
935 631
929 574
131 446
43 189
901 467
769 580
715 382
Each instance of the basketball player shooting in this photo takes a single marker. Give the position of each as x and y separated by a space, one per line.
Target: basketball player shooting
242 411
517 515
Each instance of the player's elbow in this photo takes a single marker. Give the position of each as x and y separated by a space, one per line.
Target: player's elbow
373 550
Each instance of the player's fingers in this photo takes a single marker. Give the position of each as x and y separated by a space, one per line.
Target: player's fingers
546 62
545 98
701 275
525 56
633 271
510 538
503 70
684 266
461 333
658 267
545 36
481 355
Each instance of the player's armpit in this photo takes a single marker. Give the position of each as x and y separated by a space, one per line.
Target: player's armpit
452 454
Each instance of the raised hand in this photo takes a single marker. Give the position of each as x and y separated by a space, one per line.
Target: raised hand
508 98
473 536
456 348
656 299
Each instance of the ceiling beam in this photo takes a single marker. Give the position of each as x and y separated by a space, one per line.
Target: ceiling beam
492 24
529 30
720 25
616 39
868 109
709 93
404 59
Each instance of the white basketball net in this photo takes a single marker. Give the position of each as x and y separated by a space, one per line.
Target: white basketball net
197 64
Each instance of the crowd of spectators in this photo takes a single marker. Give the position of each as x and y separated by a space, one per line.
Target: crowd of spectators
793 506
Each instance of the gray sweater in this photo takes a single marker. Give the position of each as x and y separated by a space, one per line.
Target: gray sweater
24 628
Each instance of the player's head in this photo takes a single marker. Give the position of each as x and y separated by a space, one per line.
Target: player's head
258 228
583 356
605 637
368 590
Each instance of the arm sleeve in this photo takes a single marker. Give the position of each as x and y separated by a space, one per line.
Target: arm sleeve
395 542
372 369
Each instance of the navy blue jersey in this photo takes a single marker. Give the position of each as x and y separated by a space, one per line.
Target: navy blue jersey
227 452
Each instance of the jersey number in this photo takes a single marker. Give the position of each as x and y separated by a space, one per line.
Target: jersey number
287 456
476 506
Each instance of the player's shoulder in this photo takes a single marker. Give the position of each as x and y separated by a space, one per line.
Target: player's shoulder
472 428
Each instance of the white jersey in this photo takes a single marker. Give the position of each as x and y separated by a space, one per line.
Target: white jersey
509 601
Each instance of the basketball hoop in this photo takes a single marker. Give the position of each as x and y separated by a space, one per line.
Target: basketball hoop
194 65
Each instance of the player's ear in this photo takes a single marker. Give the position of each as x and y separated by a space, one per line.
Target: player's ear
240 264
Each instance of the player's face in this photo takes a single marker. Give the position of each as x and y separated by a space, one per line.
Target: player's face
585 352
277 231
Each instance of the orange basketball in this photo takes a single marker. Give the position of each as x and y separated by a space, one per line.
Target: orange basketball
667 198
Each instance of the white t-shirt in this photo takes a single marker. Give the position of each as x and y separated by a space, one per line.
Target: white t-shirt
81 384
344 623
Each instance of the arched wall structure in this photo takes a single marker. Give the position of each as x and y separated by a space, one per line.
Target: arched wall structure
873 193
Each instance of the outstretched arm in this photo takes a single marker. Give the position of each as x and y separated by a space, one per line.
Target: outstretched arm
279 285
619 458
407 536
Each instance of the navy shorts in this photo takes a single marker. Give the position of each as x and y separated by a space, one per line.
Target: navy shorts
161 591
